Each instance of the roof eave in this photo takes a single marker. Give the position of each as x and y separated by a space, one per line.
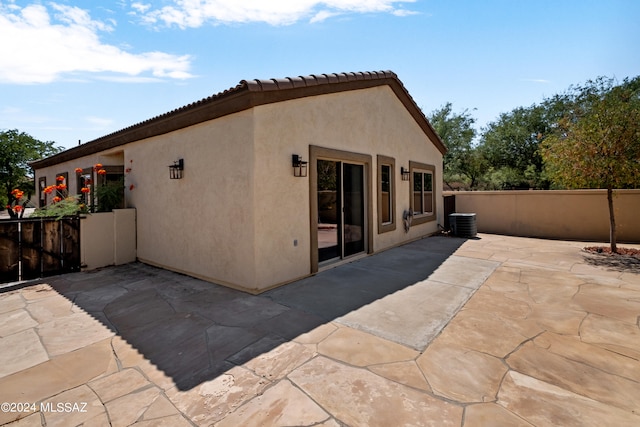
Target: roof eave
246 95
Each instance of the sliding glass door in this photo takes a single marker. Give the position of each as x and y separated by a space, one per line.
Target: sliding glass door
341 209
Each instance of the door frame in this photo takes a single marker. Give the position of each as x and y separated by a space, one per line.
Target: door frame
322 153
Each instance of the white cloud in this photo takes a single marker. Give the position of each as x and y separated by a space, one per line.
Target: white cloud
47 44
536 80
140 7
404 12
323 15
194 13
99 122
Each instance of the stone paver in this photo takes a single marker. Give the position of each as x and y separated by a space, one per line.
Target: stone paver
461 374
358 397
66 334
543 404
282 405
363 349
16 321
498 330
21 350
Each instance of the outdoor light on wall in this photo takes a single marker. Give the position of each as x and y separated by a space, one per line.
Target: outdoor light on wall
404 173
299 166
175 170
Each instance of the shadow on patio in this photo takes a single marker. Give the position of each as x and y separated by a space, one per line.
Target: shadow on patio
194 330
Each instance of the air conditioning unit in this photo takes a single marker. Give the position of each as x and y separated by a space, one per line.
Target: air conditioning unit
463 224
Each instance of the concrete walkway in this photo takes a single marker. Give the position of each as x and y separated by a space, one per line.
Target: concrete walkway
444 331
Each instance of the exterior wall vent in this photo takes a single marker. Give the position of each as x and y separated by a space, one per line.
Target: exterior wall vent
463 224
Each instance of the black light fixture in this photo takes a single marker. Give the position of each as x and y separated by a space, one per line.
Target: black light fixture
299 166
404 173
175 170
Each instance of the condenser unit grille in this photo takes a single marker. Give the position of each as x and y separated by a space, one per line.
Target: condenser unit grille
463 224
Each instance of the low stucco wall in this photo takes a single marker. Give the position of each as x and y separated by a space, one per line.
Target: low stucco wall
108 238
571 215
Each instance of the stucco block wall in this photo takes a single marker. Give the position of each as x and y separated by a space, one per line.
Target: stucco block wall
371 122
201 224
574 215
108 238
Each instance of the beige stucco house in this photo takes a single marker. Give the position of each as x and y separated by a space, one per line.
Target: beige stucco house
240 216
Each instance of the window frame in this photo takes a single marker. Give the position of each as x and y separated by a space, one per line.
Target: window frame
81 181
63 194
42 198
422 168
384 227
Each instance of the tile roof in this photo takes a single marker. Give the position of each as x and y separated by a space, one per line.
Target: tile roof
315 80
245 95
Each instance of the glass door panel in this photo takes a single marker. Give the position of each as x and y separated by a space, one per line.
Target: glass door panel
353 208
341 224
328 210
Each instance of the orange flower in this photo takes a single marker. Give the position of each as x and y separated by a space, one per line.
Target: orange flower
61 187
56 199
97 166
15 190
60 178
49 189
17 209
102 172
85 190
78 171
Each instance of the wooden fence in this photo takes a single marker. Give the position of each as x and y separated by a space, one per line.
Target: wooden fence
39 247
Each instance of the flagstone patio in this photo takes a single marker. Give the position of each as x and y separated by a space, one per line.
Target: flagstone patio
500 331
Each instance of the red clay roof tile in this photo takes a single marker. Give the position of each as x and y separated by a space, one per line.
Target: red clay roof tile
240 98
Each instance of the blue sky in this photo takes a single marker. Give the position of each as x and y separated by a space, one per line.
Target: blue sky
79 69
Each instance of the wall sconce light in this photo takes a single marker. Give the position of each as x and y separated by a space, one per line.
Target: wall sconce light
175 170
299 166
404 173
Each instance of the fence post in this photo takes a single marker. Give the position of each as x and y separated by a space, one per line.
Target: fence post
41 245
19 251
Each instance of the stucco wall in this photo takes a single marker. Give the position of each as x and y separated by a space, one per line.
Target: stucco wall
239 217
108 238
370 122
201 224
574 215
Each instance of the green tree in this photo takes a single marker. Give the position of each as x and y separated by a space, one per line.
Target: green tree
597 142
17 149
511 144
458 133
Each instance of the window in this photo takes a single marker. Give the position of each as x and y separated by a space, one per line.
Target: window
84 180
62 180
386 194
42 184
423 202
422 193
385 188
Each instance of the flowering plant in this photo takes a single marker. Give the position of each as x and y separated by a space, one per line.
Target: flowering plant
61 204
16 205
60 207
102 197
